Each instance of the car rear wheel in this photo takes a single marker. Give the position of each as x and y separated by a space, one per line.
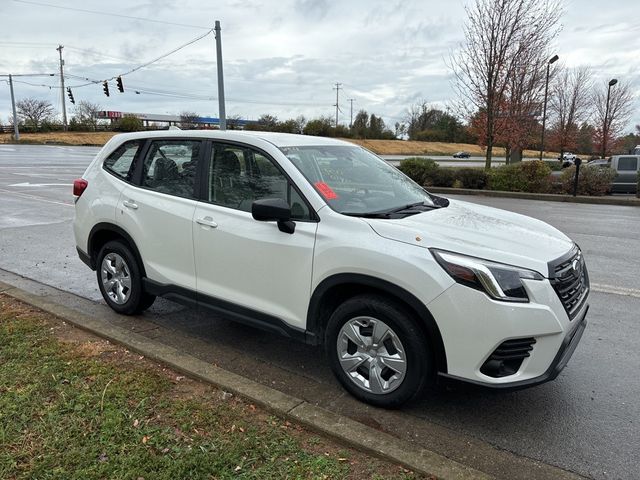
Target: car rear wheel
120 280
377 351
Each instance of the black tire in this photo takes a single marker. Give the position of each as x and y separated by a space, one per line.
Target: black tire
137 300
419 363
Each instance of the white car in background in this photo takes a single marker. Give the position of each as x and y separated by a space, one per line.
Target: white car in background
324 242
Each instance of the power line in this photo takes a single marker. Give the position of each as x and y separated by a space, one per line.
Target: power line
96 12
96 53
143 65
189 96
200 37
32 84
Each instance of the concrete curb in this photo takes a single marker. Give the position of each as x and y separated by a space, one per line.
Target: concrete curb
549 197
341 428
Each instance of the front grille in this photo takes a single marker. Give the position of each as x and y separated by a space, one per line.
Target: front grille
569 277
508 357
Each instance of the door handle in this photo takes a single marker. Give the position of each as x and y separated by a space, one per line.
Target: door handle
130 204
207 222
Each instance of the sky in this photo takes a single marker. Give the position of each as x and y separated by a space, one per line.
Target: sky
281 57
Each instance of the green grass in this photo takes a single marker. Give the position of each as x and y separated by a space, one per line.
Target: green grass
66 413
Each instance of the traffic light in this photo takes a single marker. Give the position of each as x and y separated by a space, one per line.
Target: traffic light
70 93
119 83
105 88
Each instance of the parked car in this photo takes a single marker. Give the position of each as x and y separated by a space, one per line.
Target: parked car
599 162
626 167
324 242
461 155
568 156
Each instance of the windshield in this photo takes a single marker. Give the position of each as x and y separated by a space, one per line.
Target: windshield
354 181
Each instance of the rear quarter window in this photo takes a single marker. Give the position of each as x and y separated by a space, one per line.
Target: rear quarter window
122 160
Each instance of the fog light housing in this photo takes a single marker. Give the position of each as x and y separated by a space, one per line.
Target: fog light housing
508 357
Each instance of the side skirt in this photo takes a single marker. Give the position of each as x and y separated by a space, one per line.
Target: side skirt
232 311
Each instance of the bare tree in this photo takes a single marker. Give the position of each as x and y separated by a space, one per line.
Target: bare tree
189 120
569 105
611 122
33 111
85 113
301 122
233 122
501 37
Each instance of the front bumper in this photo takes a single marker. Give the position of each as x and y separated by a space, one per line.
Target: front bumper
473 326
560 361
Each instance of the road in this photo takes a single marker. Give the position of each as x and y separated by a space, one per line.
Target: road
449 161
587 421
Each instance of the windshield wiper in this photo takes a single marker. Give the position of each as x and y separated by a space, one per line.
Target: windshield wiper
409 209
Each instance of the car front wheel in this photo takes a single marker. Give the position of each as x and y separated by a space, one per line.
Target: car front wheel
120 280
377 351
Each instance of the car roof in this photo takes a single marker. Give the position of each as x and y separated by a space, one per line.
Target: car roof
275 138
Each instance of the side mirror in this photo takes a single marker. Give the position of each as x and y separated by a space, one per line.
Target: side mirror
274 210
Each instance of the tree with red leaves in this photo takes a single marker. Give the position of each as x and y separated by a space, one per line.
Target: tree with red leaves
497 68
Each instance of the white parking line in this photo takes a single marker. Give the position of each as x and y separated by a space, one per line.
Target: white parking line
28 184
629 292
34 197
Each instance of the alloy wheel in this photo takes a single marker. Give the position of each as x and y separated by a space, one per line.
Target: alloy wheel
371 355
116 278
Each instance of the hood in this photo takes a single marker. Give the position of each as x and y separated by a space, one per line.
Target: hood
480 231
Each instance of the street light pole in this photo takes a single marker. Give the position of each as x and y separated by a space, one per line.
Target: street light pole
605 127
544 110
16 131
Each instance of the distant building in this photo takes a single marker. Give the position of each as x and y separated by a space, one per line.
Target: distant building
169 119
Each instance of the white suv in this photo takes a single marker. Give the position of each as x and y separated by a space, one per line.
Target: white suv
324 242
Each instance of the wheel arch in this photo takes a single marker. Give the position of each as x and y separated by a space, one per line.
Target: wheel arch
334 290
105 232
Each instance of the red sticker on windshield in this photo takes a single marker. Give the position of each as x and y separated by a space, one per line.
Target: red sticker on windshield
325 191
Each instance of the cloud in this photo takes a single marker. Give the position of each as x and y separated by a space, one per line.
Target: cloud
282 56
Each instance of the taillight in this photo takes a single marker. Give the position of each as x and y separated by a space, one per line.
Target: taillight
79 186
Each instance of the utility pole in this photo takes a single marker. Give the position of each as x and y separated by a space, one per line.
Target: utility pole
16 132
351 100
337 89
222 113
62 97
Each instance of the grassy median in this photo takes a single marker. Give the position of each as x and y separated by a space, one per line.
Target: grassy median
73 406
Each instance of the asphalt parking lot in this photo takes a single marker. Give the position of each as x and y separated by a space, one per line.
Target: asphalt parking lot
587 421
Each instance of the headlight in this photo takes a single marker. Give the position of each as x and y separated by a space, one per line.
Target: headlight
499 281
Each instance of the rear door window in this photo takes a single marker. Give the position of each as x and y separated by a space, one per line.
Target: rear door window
121 162
170 167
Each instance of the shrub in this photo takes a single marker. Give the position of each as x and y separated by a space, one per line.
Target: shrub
129 123
591 180
554 165
472 177
521 177
444 177
420 170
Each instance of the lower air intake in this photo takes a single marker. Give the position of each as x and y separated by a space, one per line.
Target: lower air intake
508 357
